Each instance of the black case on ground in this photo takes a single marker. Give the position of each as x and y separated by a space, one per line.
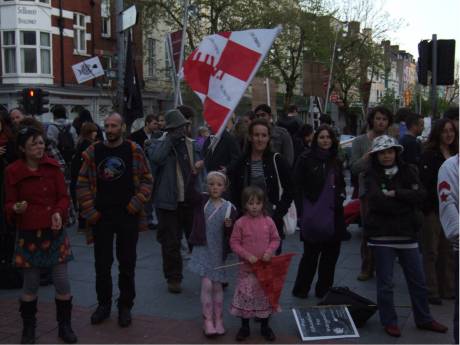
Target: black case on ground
360 308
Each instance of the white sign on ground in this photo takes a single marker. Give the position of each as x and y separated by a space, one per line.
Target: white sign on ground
325 322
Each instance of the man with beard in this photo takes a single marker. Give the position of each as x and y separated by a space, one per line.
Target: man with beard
114 184
378 121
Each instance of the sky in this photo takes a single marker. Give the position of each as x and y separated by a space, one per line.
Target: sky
423 18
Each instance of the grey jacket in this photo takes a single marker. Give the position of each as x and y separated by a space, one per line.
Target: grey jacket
281 142
162 156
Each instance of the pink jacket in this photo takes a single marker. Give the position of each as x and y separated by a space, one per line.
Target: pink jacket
254 236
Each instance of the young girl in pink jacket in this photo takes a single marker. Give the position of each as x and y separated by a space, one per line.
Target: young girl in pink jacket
254 238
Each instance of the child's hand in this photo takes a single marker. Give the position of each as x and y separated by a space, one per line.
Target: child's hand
228 222
252 259
267 257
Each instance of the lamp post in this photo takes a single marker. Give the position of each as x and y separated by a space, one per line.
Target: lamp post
326 101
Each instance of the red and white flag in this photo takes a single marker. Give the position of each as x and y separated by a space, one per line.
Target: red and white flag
222 67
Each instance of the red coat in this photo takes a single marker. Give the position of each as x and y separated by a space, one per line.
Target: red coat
44 190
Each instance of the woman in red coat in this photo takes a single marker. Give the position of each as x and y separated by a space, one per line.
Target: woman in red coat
36 202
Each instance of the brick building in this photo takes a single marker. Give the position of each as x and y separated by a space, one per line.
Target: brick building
40 40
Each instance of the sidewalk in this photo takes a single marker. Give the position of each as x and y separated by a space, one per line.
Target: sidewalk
161 317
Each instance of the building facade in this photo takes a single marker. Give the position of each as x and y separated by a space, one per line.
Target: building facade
40 40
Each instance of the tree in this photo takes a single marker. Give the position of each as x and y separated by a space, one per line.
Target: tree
304 23
360 58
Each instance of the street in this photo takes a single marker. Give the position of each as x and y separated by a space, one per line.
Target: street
161 317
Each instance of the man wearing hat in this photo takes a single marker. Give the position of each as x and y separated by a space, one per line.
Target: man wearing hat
175 157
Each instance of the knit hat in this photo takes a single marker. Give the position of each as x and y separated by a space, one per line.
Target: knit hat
385 142
175 119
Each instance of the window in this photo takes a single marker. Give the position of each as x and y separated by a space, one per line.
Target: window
9 51
105 18
45 53
79 33
32 54
151 55
28 44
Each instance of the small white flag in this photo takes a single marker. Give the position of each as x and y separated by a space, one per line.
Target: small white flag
88 69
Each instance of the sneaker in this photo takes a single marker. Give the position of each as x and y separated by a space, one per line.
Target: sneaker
102 312
243 334
393 330
124 316
433 326
268 334
435 300
363 276
174 287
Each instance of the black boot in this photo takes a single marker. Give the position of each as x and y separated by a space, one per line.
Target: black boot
244 332
64 317
102 312
266 331
28 311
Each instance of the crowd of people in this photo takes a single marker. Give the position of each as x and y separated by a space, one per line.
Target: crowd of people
217 195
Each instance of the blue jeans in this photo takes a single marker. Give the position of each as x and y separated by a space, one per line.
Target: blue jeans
411 262
456 298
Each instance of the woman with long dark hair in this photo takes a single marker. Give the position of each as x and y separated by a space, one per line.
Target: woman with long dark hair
321 190
256 167
437 253
37 204
394 195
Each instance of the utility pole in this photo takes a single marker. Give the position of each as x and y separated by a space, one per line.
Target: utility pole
177 95
434 75
326 101
119 7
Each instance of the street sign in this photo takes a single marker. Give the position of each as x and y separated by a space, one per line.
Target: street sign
128 18
88 69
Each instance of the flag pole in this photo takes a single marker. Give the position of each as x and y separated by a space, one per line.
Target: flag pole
177 95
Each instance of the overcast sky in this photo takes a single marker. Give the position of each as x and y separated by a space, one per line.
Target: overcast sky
424 18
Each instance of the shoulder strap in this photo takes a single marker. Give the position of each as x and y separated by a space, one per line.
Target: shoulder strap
228 211
280 188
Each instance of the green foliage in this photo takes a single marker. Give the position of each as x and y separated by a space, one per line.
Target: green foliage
306 29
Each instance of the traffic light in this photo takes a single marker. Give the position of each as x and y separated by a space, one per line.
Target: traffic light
33 100
42 100
30 100
445 61
424 61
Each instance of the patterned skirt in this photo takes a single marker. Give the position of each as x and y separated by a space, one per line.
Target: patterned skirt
42 248
249 299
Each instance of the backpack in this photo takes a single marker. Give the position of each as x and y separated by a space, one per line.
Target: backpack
65 143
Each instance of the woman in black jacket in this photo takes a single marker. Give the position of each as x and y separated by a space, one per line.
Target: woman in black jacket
437 253
392 220
321 190
257 167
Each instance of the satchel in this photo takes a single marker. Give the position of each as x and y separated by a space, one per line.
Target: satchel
318 218
290 218
361 309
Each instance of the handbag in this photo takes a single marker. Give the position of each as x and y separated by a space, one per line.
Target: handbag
318 218
361 309
290 218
